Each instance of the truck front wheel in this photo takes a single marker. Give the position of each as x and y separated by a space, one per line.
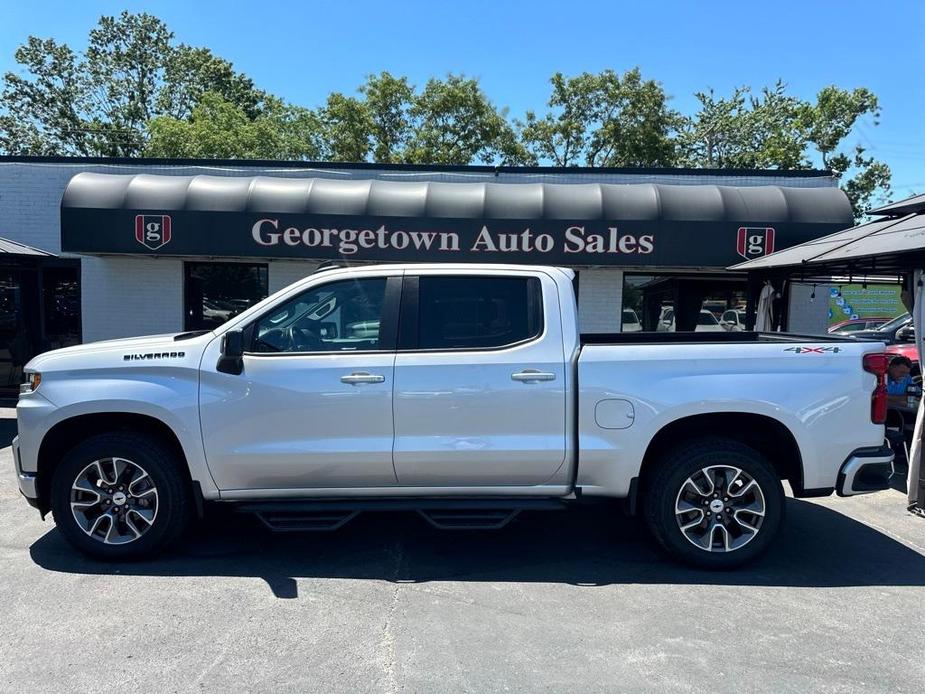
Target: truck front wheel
714 503
120 495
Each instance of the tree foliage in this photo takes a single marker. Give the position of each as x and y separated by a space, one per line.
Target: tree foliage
100 102
449 121
136 91
603 120
218 128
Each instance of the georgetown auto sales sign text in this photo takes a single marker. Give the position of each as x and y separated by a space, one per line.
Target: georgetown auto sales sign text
240 234
348 242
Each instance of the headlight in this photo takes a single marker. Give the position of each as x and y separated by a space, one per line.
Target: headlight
33 379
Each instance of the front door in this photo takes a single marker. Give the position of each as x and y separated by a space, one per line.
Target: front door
313 406
479 381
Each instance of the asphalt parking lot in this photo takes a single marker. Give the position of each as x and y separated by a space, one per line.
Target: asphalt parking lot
565 601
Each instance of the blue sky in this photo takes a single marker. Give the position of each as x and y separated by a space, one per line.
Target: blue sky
303 50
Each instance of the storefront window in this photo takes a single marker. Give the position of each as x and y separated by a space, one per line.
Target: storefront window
705 304
216 292
15 347
61 301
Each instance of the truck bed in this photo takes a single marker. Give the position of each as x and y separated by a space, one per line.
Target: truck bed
744 337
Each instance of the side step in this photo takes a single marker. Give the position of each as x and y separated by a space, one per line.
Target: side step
469 519
444 514
300 521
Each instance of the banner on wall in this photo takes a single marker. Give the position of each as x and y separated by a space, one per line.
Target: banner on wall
853 301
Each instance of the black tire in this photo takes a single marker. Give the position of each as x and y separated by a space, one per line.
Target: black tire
173 495
671 473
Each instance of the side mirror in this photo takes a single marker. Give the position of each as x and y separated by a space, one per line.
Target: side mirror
906 334
232 359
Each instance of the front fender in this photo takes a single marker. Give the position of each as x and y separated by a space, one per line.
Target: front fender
167 395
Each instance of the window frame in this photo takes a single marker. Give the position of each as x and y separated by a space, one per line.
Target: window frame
388 321
409 314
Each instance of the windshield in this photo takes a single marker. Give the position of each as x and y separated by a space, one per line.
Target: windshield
893 324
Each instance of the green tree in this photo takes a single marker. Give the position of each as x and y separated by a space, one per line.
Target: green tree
829 122
219 129
453 122
778 131
99 102
603 119
191 72
450 121
44 113
388 103
346 128
744 131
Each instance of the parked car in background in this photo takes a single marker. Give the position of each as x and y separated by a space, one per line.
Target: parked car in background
706 322
631 323
853 325
897 331
733 320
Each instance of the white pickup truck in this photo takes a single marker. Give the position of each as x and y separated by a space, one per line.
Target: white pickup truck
464 392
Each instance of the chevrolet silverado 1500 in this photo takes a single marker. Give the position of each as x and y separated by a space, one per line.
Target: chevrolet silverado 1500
464 392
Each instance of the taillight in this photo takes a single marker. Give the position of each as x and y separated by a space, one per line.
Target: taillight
877 364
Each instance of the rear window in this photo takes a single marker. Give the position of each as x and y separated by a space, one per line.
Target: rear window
478 312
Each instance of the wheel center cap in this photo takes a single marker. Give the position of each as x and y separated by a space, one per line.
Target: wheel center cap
716 506
119 499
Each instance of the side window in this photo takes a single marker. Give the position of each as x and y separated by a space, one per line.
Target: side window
478 312
337 317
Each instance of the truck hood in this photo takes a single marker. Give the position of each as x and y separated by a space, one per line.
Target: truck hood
66 357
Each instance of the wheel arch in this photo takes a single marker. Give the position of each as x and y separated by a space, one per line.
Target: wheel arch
768 436
67 433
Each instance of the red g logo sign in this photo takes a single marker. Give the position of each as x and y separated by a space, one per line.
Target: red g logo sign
754 242
152 231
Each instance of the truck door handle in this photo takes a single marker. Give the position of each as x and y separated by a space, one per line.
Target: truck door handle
358 377
530 375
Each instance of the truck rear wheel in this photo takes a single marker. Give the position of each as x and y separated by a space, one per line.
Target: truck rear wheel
714 503
121 495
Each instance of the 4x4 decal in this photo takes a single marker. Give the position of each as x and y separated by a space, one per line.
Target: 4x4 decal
813 350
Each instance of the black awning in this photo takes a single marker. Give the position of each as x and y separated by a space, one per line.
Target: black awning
569 223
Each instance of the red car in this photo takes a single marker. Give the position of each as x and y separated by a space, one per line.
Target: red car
847 327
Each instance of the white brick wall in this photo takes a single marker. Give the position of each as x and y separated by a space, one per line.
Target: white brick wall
600 300
122 297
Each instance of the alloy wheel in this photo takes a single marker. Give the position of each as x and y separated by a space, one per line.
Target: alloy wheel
720 508
114 501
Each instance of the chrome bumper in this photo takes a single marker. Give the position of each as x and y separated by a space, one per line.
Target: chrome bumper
866 470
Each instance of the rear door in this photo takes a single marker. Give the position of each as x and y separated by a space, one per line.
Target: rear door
479 396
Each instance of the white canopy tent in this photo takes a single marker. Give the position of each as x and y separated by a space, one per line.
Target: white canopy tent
891 245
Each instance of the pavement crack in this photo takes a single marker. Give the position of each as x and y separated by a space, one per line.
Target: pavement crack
387 642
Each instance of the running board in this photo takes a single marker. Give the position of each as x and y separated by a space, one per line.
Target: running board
302 521
469 519
444 514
